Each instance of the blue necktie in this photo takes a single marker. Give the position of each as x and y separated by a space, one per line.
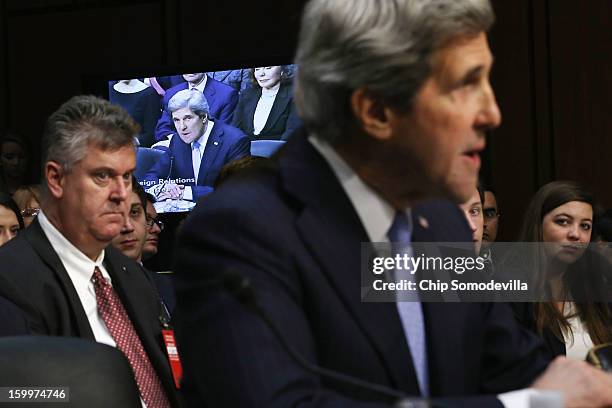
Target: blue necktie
411 312
196 159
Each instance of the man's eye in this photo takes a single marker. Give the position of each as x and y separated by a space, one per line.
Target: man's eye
489 212
103 176
475 211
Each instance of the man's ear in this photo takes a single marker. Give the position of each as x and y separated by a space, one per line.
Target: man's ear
373 116
54 175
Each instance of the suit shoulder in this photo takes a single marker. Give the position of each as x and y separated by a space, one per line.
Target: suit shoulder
230 132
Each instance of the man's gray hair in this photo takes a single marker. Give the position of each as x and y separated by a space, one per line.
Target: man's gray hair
192 99
384 46
83 121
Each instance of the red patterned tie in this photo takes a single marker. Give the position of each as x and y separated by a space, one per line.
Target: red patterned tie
121 328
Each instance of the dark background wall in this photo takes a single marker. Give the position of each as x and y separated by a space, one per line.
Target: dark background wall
552 76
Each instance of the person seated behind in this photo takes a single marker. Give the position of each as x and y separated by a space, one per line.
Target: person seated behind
10 219
189 168
572 321
28 201
131 239
472 209
490 210
267 111
142 103
14 159
239 79
154 228
222 100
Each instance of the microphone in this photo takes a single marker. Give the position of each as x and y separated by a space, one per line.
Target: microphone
240 288
170 170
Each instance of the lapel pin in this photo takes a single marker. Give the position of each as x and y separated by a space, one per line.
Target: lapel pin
216 143
423 222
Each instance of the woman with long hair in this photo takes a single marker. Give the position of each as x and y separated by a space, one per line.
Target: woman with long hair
569 275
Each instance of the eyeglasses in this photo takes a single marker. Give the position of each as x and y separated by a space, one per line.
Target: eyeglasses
490 213
30 212
150 221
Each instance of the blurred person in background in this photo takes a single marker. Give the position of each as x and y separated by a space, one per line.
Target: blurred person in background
472 209
28 200
560 215
154 227
14 160
266 110
10 219
490 211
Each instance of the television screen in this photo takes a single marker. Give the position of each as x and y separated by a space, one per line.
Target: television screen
194 124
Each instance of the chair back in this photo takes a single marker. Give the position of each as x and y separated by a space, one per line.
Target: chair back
145 159
96 375
265 148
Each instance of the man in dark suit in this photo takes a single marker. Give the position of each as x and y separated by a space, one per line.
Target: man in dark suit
211 143
394 117
221 98
62 272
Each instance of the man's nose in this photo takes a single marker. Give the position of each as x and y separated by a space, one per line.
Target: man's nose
128 227
120 189
489 116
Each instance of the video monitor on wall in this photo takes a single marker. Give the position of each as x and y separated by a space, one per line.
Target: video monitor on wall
193 124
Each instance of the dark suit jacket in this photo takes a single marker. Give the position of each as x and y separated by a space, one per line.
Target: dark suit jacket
224 144
282 121
13 321
294 233
33 277
221 98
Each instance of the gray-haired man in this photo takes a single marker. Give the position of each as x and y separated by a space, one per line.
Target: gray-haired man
396 100
62 271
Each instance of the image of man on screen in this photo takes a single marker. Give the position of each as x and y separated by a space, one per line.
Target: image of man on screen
190 166
222 100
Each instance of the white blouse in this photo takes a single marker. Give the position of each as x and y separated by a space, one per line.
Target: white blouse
578 343
264 106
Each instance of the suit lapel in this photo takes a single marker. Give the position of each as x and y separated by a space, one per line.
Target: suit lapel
278 107
209 93
213 146
37 238
249 109
130 287
331 230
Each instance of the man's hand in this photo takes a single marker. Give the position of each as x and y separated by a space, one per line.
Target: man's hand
582 385
172 191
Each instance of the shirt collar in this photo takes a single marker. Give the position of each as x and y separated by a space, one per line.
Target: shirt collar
201 141
77 264
200 87
270 92
375 213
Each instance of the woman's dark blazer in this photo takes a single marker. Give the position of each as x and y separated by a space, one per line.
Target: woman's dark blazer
282 121
524 313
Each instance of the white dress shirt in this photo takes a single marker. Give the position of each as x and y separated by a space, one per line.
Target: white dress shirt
200 87
80 270
376 216
578 343
196 157
264 106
